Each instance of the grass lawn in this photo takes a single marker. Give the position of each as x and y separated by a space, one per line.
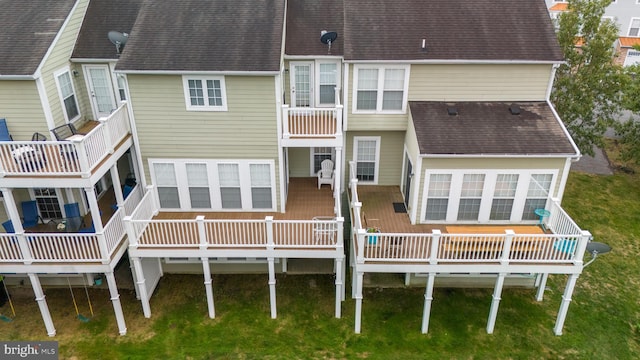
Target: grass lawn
603 320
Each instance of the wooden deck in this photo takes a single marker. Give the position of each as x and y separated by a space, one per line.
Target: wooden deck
304 202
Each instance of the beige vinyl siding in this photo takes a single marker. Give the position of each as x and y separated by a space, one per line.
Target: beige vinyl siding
286 83
391 154
20 105
58 59
479 82
82 92
299 162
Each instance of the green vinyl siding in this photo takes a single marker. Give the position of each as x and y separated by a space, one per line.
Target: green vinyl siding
20 105
58 59
391 154
460 82
479 82
248 130
299 162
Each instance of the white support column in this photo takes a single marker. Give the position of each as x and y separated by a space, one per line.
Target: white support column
95 209
542 286
142 287
358 297
564 305
344 278
283 261
115 300
272 287
42 304
339 286
337 188
428 298
354 281
493 313
208 287
117 186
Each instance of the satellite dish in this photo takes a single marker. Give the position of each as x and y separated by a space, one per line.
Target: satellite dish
596 248
327 37
118 39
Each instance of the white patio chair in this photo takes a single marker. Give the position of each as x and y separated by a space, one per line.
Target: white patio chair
326 175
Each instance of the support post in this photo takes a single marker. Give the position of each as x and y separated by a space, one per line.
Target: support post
564 305
42 304
117 186
495 303
542 286
272 287
339 285
337 175
142 287
115 300
208 287
358 297
435 245
428 298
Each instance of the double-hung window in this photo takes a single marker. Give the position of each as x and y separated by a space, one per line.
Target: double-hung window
328 81
167 185
634 27
380 89
205 93
471 196
438 196
230 193
503 196
366 155
198 182
537 195
260 186
67 95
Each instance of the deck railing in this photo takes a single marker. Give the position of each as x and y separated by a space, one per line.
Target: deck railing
566 245
77 157
311 122
263 234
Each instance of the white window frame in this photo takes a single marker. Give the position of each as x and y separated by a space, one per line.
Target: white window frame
56 76
631 27
487 194
380 89
206 106
182 183
317 83
312 155
377 139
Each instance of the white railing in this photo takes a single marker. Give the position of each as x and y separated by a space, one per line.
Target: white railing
235 233
63 247
114 231
311 122
134 198
77 157
9 248
559 221
305 233
140 216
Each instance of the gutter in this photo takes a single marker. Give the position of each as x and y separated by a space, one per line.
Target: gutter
191 72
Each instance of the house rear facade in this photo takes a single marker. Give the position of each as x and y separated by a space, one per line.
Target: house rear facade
434 119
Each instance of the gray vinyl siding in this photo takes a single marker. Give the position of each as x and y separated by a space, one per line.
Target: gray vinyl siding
299 162
248 130
460 82
58 59
391 154
20 105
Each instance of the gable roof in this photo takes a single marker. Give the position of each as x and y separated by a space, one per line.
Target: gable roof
488 128
453 29
28 30
101 17
205 35
306 19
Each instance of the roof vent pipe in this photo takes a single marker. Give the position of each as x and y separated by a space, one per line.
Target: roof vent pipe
452 111
514 109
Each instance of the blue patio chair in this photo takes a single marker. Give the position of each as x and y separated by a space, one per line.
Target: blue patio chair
30 214
4 131
72 209
125 192
8 227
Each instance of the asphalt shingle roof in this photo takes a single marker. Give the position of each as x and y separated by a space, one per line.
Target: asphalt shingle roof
488 128
453 30
205 35
103 16
306 19
28 30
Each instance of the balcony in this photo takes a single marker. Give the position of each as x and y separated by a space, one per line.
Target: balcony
455 248
74 158
304 126
69 249
309 228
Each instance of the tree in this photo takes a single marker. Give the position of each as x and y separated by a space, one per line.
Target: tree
628 131
587 92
